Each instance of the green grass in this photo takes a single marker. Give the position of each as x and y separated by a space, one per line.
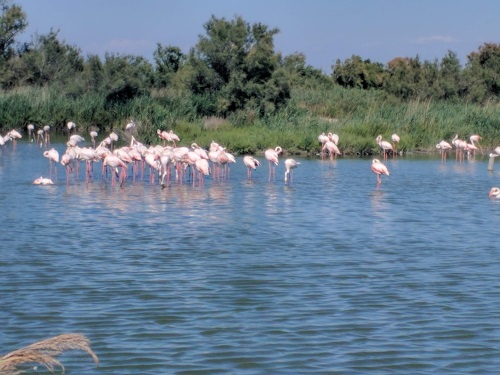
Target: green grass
357 116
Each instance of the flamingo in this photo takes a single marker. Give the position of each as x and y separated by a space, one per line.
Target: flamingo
39 136
386 146
74 140
93 135
379 169
395 140
14 135
322 138
460 146
130 126
163 135
203 169
495 192
332 149
476 138
290 165
46 134
88 155
53 156
31 132
115 162
334 138
272 159
43 181
152 160
67 159
173 137
251 163
443 146
71 126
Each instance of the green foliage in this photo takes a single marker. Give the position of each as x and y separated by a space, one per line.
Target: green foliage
234 88
13 21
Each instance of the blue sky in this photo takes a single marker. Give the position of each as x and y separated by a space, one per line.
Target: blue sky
324 30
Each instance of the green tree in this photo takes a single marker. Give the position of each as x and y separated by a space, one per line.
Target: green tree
125 77
49 61
405 79
358 73
449 81
482 73
235 64
168 61
13 21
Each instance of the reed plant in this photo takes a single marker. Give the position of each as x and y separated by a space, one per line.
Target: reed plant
357 116
45 353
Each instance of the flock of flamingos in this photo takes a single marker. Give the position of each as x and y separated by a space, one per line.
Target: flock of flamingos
161 159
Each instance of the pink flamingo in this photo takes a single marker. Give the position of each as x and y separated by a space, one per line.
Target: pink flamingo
93 135
31 132
272 159
395 140
443 146
332 149
43 181
322 138
173 137
115 162
290 165
379 169
71 126
14 136
495 192
334 138
46 135
53 156
251 163
476 138
203 169
384 145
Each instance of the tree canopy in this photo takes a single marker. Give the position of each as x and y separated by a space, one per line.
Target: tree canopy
232 69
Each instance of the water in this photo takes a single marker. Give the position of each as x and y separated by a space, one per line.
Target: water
328 275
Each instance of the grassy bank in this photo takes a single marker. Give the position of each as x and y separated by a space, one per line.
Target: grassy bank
356 116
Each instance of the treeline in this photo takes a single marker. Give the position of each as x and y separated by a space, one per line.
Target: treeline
234 82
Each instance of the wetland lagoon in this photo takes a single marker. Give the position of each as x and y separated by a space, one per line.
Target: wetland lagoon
327 275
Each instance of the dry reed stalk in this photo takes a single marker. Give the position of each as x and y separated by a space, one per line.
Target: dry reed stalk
44 352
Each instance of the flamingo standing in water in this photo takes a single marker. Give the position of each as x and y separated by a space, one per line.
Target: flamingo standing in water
115 162
46 135
443 146
395 140
322 138
272 159
384 145
251 163
379 169
53 157
71 126
40 137
290 165
332 149
93 135
203 169
476 138
14 136
31 132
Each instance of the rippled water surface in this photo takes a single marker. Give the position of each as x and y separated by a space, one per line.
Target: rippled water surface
328 275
